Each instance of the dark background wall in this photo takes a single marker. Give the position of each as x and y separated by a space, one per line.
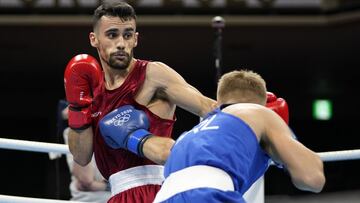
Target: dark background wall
300 63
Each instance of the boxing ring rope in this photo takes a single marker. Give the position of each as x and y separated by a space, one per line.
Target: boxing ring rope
44 147
24 145
14 199
33 146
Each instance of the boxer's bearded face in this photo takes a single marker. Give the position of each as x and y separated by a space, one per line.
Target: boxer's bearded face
120 60
117 39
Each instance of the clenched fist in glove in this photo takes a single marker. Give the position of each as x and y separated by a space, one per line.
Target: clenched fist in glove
278 105
82 75
125 127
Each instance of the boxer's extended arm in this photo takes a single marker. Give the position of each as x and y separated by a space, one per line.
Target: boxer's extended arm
157 149
304 166
177 90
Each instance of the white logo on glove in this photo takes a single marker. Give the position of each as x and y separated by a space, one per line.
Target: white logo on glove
122 119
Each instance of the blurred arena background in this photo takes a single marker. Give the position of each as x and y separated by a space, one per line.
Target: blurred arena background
308 51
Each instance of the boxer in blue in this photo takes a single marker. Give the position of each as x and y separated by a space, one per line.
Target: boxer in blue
220 158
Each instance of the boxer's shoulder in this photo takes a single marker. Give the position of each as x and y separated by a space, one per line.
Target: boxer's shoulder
154 68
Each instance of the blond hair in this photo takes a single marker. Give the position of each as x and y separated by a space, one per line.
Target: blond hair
241 86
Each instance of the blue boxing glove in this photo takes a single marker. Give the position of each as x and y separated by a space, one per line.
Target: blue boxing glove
125 127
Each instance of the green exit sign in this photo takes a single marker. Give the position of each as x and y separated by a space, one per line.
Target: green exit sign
322 109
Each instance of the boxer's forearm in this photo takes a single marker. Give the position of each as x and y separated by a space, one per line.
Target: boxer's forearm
81 145
92 186
312 177
157 149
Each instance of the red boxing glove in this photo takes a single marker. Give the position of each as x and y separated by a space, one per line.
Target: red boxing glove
82 75
278 105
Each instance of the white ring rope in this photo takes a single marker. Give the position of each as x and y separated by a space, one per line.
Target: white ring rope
33 146
64 149
340 155
15 199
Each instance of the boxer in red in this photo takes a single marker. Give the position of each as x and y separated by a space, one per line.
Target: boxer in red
94 89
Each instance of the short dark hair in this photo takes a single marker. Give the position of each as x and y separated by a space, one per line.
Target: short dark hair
114 8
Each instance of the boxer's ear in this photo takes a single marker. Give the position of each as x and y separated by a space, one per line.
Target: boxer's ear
93 39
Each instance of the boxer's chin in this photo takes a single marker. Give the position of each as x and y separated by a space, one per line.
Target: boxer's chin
119 62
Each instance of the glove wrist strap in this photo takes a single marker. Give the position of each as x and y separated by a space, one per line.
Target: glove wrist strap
79 120
135 141
141 145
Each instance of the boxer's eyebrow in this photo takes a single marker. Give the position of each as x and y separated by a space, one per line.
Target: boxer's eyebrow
129 29
112 30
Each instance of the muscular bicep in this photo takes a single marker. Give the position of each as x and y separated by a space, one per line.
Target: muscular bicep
189 98
179 92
